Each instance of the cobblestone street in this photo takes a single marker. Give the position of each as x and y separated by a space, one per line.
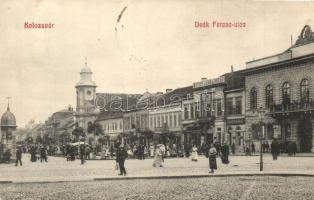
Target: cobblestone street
58 169
227 188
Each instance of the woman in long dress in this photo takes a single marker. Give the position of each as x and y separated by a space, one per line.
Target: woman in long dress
212 158
158 157
194 156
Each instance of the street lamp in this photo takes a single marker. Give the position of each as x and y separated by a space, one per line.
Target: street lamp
261 134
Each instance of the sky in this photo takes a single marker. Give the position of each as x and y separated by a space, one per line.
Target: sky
154 46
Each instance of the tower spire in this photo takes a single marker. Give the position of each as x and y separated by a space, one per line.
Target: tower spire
85 61
8 108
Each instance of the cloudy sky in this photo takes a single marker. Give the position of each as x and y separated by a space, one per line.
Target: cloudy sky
155 45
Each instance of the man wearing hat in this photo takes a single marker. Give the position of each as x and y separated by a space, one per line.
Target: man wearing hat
122 154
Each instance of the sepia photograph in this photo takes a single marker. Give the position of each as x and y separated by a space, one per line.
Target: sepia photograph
156 100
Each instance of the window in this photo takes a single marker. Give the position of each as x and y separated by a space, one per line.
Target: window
286 93
170 120
197 110
219 108
269 96
192 111
186 112
175 120
253 98
304 89
155 122
158 121
166 119
229 106
238 106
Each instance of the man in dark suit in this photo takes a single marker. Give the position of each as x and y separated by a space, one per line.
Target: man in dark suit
82 153
18 156
121 156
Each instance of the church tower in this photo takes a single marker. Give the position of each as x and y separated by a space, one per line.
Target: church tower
85 97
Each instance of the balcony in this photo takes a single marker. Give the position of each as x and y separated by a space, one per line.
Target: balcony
295 106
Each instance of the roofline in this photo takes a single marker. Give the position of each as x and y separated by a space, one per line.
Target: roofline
280 63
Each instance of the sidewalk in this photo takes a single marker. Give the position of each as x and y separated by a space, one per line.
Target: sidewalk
59 170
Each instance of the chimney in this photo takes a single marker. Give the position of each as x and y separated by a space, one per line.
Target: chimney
203 79
231 68
168 90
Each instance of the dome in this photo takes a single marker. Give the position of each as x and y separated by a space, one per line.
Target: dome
8 118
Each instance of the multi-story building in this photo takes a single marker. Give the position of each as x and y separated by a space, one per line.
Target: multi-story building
203 111
165 118
235 110
279 95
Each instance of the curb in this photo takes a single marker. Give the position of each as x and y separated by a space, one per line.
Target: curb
5 182
202 176
165 177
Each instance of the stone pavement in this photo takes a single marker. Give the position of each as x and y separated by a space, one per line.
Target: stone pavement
58 169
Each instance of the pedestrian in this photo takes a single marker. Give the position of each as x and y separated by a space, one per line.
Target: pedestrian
233 148
212 158
87 155
275 149
187 150
267 147
194 156
82 153
121 156
33 153
43 154
158 160
253 148
225 154
18 157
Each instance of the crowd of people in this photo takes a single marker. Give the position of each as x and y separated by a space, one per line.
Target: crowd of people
120 152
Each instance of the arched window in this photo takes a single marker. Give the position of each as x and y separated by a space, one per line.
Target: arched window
286 93
253 98
269 96
304 90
